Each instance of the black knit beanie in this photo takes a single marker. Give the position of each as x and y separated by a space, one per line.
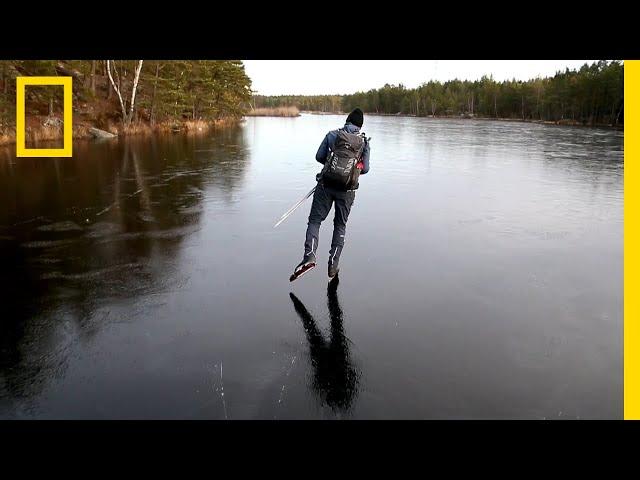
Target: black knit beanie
356 117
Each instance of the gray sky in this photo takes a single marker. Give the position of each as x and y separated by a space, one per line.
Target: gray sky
309 77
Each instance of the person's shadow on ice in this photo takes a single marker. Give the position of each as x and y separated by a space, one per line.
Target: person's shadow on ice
335 379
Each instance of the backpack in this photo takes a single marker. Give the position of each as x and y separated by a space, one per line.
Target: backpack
340 169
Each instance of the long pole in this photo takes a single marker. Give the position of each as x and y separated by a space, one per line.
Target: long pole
290 211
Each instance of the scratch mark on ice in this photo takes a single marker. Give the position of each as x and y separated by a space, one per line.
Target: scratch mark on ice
293 360
224 404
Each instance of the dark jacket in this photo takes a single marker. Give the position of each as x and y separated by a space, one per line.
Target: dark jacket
330 140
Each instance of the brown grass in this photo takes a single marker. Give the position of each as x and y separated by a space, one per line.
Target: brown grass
41 133
274 112
34 134
187 126
6 138
134 129
197 125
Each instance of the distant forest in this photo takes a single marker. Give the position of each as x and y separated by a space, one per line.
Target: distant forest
591 95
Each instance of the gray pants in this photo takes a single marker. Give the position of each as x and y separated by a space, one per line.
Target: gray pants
323 198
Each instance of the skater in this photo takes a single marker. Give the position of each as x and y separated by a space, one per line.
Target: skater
345 156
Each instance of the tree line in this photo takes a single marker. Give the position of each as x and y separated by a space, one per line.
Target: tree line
590 95
130 91
313 103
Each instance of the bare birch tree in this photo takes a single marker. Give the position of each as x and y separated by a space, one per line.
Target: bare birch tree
127 113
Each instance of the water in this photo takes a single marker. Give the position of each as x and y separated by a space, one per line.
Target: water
481 277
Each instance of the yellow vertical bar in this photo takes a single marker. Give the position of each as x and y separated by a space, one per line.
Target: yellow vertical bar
631 239
68 117
20 117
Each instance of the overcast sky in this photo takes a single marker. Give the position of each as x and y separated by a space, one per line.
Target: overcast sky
310 77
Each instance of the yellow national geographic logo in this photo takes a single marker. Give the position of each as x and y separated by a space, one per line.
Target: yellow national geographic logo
21 150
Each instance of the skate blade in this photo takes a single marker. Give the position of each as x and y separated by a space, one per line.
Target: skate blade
297 274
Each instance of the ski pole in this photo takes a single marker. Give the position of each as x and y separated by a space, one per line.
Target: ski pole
290 211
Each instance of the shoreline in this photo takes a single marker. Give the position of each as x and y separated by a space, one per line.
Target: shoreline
560 123
37 132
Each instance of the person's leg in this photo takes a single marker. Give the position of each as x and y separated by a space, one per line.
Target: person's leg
343 203
320 208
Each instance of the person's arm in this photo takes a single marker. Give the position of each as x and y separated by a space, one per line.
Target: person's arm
323 151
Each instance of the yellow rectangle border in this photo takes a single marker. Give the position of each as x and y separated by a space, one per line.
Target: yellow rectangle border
67 146
631 239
